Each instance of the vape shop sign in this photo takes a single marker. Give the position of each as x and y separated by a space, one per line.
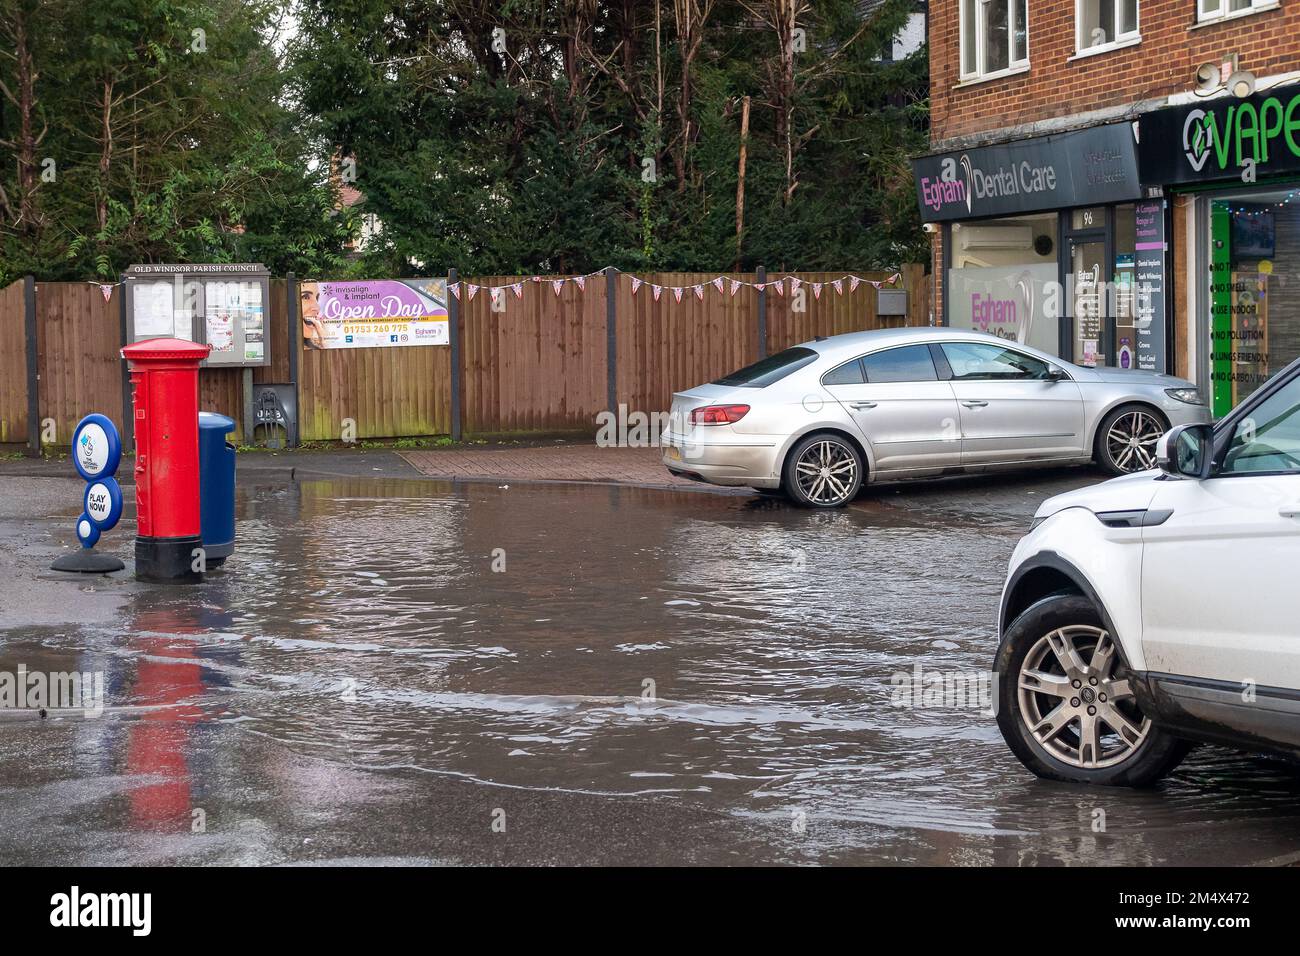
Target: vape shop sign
389 313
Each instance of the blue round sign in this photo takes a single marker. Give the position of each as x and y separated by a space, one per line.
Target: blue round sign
96 447
103 503
87 533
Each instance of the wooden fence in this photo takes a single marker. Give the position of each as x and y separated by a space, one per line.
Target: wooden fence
541 364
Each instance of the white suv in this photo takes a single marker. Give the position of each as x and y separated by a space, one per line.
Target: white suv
1160 608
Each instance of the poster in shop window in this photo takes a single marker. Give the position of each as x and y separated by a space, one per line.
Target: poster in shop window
390 313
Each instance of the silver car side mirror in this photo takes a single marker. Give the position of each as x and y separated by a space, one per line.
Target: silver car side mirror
1184 451
1055 374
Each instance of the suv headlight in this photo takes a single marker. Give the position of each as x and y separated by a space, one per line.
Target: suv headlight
1191 396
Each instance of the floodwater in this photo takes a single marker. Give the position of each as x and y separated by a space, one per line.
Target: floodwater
410 671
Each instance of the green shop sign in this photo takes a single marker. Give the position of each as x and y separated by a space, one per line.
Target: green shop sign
1224 138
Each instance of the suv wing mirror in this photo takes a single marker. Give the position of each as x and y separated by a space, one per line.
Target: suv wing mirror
1184 451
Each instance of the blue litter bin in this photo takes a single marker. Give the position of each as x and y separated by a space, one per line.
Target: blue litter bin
216 487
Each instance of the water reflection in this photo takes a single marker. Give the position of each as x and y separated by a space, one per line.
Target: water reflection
374 642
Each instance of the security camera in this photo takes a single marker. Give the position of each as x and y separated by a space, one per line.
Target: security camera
930 227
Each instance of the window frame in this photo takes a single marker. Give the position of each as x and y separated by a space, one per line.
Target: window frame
1222 13
1119 40
968 73
862 370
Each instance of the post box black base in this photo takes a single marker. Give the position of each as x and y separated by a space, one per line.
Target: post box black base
87 561
167 559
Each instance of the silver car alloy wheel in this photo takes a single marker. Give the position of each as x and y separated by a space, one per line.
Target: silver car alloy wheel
827 472
1075 704
1131 441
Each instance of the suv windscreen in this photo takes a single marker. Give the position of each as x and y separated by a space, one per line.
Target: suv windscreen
771 369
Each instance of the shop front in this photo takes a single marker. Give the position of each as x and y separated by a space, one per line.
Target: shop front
1050 241
1235 165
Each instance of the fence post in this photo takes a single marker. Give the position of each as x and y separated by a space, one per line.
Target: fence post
761 275
124 329
33 370
295 341
453 338
611 338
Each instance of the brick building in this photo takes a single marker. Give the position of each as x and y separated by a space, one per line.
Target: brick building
1111 181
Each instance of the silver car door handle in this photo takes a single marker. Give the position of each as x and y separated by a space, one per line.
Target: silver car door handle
974 404
861 405
1289 511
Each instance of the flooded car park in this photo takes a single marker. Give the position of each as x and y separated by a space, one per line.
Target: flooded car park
417 671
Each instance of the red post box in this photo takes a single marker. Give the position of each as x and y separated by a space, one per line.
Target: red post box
165 390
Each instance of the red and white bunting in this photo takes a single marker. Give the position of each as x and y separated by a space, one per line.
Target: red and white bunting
794 285
717 283
557 285
854 282
472 289
677 292
699 292
817 290
760 286
107 290
656 290
875 284
838 286
455 289
636 284
582 282
780 286
519 290
735 284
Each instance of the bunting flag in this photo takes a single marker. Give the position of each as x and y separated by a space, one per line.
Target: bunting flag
455 289
636 284
658 290
794 285
838 286
557 285
780 286
107 290
582 282
760 286
699 292
519 290
735 284
854 282
472 290
717 283
537 278
677 292
817 290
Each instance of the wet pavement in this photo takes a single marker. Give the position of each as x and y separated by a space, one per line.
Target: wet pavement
404 670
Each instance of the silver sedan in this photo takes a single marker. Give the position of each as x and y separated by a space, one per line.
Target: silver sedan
821 419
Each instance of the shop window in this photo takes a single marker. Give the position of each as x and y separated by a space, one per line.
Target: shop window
1003 280
1221 9
1254 318
1104 23
994 37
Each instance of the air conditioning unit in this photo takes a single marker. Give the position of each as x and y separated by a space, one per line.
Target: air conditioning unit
997 237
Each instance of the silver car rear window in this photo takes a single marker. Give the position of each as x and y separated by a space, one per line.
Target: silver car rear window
771 369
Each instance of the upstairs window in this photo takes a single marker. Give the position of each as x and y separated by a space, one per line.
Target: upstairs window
1222 9
995 37
1105 23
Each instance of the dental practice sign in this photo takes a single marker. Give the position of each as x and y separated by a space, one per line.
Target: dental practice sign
1084 167
96 453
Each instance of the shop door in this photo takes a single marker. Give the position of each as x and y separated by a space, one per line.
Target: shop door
1087 290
